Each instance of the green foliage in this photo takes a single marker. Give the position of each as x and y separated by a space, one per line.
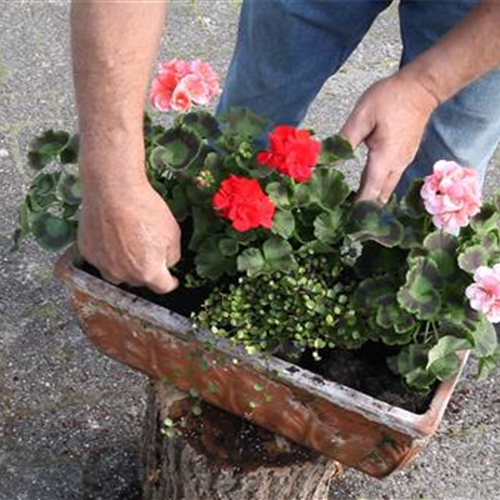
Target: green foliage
46 148
329 273
371 222
335 149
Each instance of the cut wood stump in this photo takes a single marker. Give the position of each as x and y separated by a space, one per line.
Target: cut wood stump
218 456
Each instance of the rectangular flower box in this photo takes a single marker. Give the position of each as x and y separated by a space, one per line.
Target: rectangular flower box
344 424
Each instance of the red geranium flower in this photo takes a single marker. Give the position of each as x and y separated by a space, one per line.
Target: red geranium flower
291 152
242 201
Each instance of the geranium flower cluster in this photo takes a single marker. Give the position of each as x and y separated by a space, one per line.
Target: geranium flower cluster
451 195
293 153
180 85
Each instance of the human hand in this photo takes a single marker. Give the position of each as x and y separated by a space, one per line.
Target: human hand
128 232
390 118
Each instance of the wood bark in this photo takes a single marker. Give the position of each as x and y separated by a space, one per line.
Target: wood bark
217 456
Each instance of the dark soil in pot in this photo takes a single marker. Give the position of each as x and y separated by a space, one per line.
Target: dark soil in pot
364 370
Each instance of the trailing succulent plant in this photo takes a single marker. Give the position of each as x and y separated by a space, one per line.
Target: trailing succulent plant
293 260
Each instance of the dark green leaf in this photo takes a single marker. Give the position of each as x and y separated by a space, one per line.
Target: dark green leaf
278 254
443 360
486 220
241 121
251 261
368 221
278 194
69 189
472 258
202 123
53 233
334 149
46 148
441 248
327 225
283 224
43 191
177 149
228 247
412 203
420 295
70 153
327 188
211 263
373 292
487 363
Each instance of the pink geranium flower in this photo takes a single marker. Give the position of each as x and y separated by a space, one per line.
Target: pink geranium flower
451 195
207 74
484 293
181 84
195 88
181 100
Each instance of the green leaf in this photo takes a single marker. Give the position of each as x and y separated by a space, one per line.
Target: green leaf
278 194
334 149
485 339
443 360
376 259
487 363
205 223
69 155
283 224
327 225
69 189
472 258
51 232
412 204
327 188
179 203
43 191
441 248
411 363
391 317
251 261
241 121
278 254
211 263
46 148
228 247
24 228
486 220
177 149
202 123
373 292
370 222
419 295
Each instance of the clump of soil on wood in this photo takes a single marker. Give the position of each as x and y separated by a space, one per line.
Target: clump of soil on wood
364 370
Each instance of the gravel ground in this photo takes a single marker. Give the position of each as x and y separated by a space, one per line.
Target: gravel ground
69 418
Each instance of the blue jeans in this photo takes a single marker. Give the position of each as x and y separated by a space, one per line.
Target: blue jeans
287 49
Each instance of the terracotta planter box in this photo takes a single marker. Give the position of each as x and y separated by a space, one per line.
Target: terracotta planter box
333 419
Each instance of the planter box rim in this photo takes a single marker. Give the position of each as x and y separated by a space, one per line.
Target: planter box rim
419 426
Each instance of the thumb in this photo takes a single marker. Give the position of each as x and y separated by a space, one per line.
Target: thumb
163 282
357 128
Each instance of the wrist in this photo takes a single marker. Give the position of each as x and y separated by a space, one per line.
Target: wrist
421 86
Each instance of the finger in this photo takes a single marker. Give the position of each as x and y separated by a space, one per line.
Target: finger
163 282
110 278
173 255
374 178
390 185
357 128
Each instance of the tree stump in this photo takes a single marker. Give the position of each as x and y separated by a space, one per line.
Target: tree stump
218 456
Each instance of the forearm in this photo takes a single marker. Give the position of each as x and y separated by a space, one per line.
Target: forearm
114 44
469 50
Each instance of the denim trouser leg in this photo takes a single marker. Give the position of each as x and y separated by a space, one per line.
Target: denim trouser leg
287 49
466 128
